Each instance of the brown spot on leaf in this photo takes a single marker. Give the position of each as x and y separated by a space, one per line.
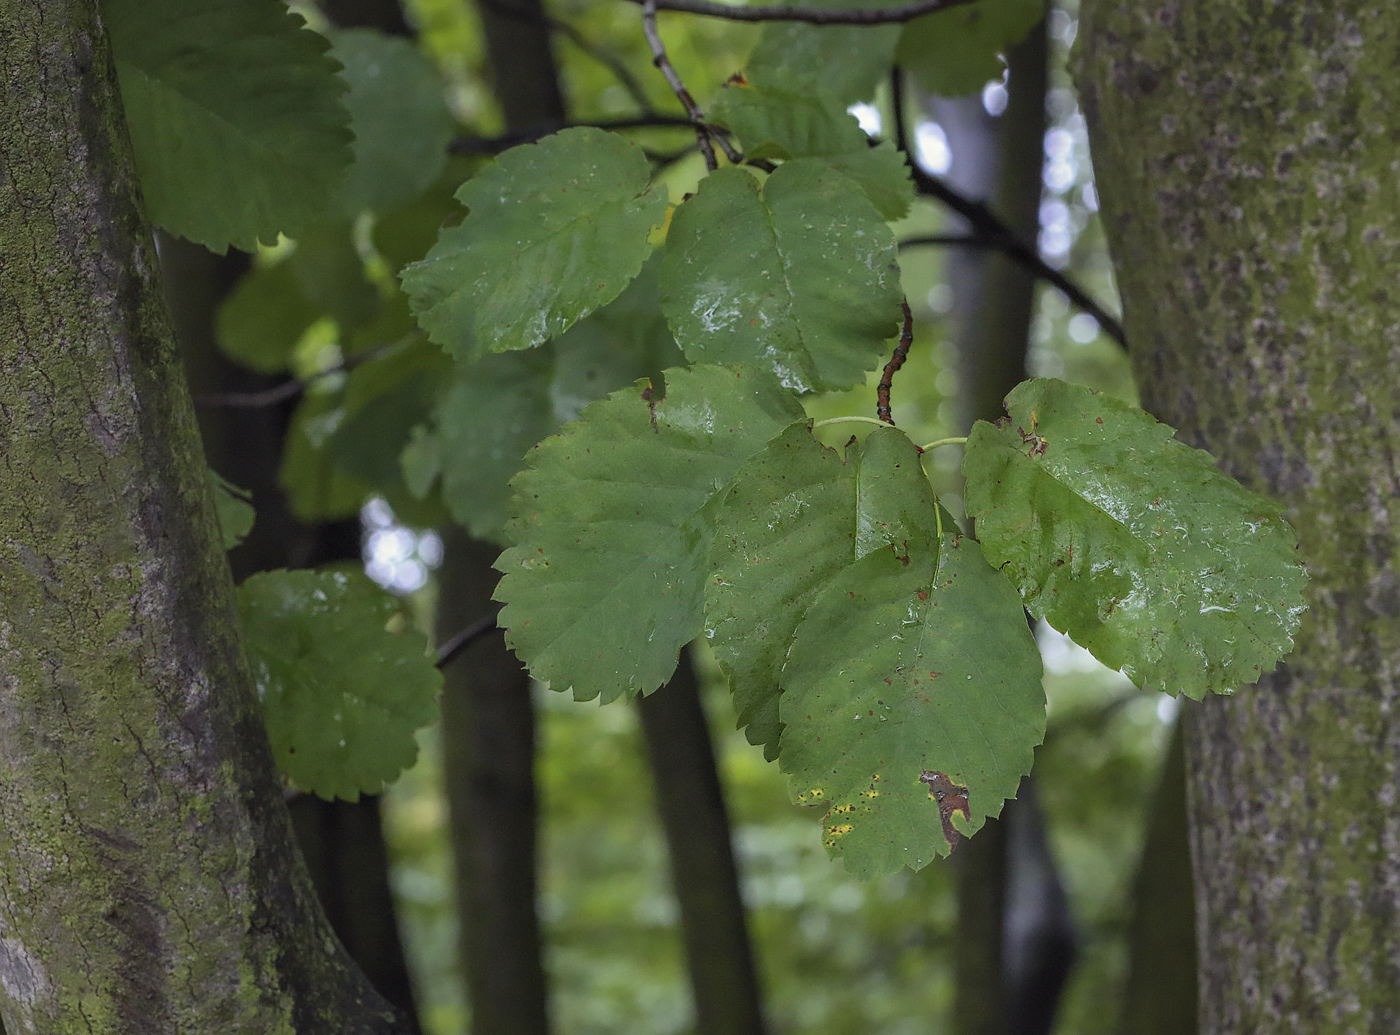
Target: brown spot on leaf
951 798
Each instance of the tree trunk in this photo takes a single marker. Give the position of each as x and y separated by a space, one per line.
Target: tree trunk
1160 995
998 160
1246 158
488 718
148 879
488 744
706 882
1009 973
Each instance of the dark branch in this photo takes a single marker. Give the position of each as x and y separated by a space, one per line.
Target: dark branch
810 15
288 389
901 351
988 231
901 127
504 142
705 135
678 87
464 639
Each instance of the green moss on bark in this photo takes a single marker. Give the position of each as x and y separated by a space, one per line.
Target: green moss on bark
148 882
1248 159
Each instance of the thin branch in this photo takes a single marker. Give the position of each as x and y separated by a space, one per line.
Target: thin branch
604 57
504 142
956 240
901 351
901 127
464 639
289 389
609 60
1000 238
988 231
678 87
810 15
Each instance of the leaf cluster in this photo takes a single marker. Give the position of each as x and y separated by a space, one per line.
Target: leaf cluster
555 351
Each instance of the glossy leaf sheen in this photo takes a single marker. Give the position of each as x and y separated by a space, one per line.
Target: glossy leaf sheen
341 695
909 662
235 117
957 51
799 276
783 121
606 583
796 516
501 406
1133 543
554 231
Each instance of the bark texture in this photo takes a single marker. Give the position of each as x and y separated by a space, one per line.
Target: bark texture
1247 157
148 879
690 800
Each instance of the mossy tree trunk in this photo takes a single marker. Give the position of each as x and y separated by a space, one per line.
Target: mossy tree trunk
1247 158
148 880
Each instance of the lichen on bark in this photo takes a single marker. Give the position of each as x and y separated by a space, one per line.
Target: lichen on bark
148 880
1248 160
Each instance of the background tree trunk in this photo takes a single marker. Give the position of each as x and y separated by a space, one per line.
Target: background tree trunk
148 879
690 800
488 718
1246 159
1016 942
1160 995
488 743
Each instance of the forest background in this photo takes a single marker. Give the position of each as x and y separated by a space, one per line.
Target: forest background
307 402
834 954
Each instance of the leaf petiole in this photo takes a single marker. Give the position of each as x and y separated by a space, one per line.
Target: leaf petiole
943 442
847 420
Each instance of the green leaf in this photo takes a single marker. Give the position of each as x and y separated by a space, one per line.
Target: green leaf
1133 543
261 321
341 695
235 509
796 516
400 118
611 517
957 51
850 61
317 489
501 406
385 398
784 121
235 117
798 276
912 661
555 230
328 267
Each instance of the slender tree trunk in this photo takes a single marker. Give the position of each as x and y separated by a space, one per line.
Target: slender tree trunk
524 74
148 879
1015 940
488 719
488 727
999 160
1160 996
706 882
1247 159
